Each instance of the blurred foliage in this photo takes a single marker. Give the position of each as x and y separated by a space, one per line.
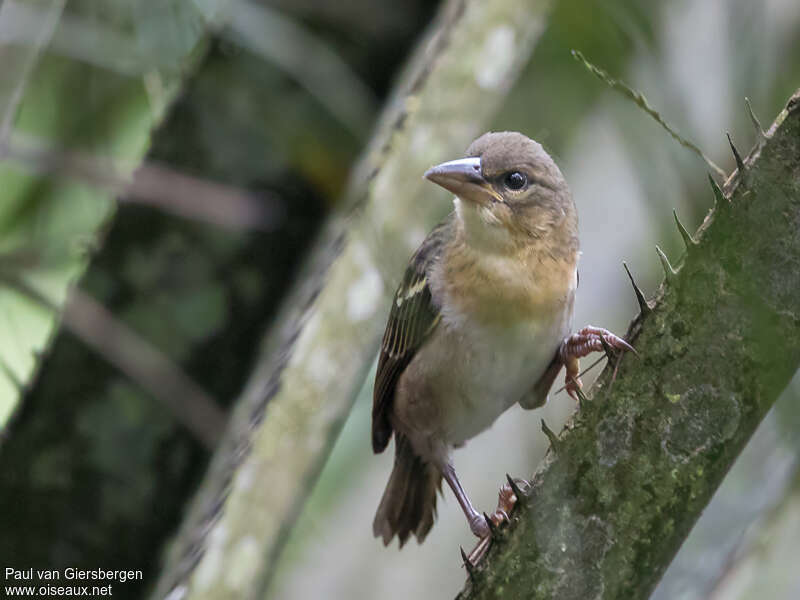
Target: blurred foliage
94 456
553 96
372 37
223 122
50 224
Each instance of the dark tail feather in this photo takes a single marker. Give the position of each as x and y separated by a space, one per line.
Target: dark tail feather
409 501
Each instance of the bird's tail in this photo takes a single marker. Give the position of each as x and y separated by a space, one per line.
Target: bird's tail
409 501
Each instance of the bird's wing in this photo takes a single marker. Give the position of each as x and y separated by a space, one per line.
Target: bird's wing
414 315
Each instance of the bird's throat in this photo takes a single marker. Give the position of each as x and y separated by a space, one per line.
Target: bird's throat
504 288
481 230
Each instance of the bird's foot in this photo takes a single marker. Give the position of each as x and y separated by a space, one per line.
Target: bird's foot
479 526
506 500
587 340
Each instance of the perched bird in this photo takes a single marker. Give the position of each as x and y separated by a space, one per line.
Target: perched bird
481 320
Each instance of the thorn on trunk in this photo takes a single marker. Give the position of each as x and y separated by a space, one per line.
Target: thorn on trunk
467 564
720 201
554 441
669 272
582 399
606 348
754 120
644 307
514 487
737 157
688 240
490 523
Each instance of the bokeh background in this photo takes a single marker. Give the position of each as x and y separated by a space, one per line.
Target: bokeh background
243 134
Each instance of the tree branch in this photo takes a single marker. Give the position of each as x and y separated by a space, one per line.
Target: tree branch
635 467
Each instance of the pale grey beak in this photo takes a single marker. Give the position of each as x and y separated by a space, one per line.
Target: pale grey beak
463 177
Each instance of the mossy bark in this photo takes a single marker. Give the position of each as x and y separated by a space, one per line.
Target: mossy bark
634 468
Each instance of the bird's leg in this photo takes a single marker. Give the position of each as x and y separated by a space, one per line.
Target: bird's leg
506 500
587 340
477 522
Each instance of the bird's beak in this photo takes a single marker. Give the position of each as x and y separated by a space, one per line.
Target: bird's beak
463 178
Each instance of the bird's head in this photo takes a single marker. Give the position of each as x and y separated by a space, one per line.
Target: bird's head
508 190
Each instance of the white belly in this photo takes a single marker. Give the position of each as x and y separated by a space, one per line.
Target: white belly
476 374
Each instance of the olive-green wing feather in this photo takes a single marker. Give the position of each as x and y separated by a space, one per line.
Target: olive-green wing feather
413 316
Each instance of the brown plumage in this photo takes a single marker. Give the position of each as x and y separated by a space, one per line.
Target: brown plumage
408 505
476 323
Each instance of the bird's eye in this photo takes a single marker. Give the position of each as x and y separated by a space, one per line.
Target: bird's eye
515 180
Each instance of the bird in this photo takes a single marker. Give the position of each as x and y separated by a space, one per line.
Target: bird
481 320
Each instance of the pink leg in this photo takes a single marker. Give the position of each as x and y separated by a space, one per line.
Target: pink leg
587 340
477 523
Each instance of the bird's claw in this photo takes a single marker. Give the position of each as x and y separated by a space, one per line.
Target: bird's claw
574 386
506 500
572 382
587 340
591 339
